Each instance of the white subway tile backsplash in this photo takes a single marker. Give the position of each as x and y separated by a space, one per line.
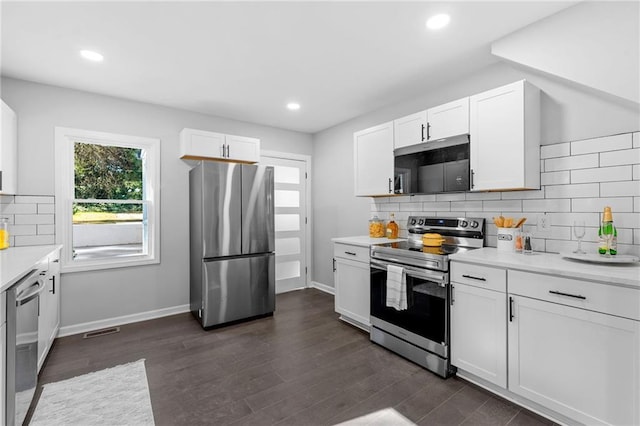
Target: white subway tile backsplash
548 205
555 150
560 233
603 144
573 191
620 204
636 171
423 198
636 236
567 219
555 178
46 208
620 158
46 229
468 206
625 235
22 230
390 207
626 220
437 206
571 163
456 196
636 204
522 195
503 205
33 240
603 174
14 208
30 199
629 188
409 207
472 196
636 140
34 219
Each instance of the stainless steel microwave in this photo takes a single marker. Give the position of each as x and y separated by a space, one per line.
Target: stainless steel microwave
432 167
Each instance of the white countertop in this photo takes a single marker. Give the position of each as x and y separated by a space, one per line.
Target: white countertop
365 240
16 261
627 275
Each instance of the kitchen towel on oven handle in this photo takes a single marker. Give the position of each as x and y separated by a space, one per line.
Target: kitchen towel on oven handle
396 288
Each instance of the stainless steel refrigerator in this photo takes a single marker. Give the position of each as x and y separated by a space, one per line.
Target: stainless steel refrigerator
232 271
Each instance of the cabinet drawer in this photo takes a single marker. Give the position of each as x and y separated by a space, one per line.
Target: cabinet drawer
347 251
608 299
479 276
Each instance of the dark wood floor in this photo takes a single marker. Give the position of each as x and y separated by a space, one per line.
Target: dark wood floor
302 366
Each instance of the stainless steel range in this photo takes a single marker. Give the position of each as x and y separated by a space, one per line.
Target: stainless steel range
420 333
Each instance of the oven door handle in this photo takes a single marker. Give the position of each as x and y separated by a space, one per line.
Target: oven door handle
437 277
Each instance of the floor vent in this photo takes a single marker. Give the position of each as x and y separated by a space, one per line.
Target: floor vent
102 332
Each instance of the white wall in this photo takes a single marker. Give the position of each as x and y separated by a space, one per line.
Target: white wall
568 113
92 296
595 44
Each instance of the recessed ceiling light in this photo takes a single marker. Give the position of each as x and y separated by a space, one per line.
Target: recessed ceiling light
438 21
91 55
293 106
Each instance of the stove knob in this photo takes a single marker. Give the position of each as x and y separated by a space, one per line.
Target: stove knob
421 222
413 221
464 223
474 224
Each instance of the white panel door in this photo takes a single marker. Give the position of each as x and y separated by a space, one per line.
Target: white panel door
290 222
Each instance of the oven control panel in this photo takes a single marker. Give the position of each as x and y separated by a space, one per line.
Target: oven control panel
443 223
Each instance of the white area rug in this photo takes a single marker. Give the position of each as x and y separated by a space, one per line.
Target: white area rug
114 396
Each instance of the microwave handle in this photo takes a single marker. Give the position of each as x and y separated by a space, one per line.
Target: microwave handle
390 185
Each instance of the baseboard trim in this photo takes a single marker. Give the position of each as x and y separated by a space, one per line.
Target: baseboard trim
323 287
70 330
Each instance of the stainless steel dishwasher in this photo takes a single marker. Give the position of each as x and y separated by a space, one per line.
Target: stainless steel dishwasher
22 345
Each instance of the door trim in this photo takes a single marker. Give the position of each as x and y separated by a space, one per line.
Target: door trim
307 202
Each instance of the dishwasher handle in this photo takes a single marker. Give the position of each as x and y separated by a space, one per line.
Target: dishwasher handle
30 293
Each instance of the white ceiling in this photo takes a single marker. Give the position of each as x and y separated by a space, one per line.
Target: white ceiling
246 60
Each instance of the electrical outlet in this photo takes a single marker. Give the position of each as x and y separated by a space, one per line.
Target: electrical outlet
544 223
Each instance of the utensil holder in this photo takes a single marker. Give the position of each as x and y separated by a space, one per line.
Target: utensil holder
506 239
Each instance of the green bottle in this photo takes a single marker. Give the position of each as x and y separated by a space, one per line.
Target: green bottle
607 234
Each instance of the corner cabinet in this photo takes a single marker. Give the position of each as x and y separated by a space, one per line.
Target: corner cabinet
478 321
504 126
49 317
204 145
351 278
8 150
373 160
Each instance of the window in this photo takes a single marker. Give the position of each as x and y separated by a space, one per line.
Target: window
107 199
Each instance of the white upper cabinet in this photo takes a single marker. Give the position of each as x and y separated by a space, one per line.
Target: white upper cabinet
450 119
410 130
505 138
200 144
8 151
373 160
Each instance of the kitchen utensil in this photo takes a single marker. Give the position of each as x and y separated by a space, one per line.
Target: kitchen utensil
520 222
432 240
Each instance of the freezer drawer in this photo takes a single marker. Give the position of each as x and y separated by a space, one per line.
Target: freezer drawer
237 288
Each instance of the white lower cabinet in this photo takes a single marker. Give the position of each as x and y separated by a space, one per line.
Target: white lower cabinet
351 278
479 332
49 318
582 364
3 358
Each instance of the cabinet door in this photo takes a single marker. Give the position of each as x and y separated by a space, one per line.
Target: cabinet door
479 332
373 158
199 144
410 130
44 324
3 379
504 149
242 148
352 292
582 364
450 119
8 150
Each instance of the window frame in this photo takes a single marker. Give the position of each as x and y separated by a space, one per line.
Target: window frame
65 139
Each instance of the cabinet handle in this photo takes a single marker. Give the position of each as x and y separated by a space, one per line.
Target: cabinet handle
472 178
56 261
428 130
222 150
559 293
474 278
422 132
390 187
334 264
350 253
453 299
227 150
511 309
53 285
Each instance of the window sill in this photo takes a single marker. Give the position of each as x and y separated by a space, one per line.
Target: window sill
95 265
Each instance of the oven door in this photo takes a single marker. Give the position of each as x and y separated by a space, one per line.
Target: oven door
425 322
